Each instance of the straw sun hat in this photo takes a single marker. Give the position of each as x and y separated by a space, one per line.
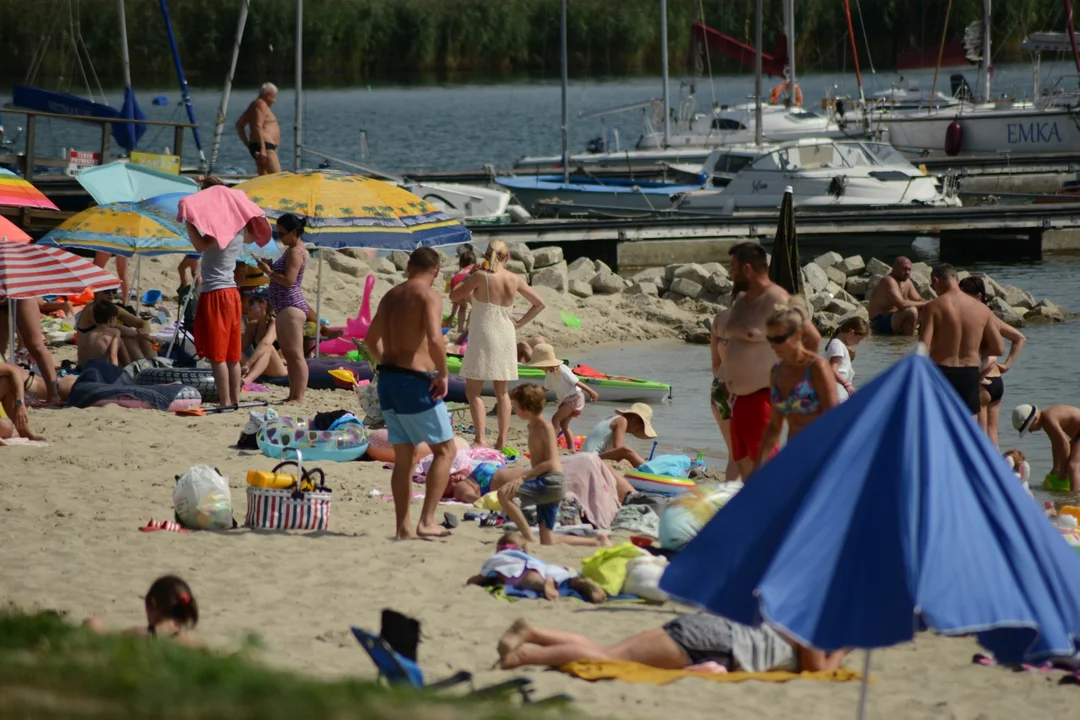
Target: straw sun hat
644 412
544 357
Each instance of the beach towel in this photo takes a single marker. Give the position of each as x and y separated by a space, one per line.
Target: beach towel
637 673
512 594
101 381
592 484
221 212
23 442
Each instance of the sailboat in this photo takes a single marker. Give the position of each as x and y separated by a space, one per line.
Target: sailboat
1046 125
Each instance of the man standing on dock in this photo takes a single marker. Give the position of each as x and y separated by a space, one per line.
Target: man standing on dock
259 131
959 331
894 304
750 358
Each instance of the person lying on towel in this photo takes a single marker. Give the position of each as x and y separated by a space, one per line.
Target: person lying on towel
512 565
688 641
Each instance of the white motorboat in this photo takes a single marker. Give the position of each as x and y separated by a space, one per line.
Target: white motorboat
823 173
462 202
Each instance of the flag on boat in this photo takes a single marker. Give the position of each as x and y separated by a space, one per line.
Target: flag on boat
17 192
31 271
347 210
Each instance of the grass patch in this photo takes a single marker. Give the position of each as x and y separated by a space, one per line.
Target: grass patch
52 669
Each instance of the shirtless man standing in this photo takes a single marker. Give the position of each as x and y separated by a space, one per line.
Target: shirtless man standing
894 304
720 398
406 340
265 135
958 330
750 359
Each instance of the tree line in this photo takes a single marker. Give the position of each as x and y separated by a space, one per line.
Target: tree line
348 41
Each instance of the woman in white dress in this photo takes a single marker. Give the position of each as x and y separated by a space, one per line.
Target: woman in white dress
491 353
839 351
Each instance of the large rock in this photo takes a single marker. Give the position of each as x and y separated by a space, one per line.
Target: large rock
920 275
553 276
579 288
871 283
714 267
581 269
1011 317
857 286
685 287
719 284
840 307
400 258
693 272
602 266
828 260
833 289
522 253
446 262
818 301
1016 297
654 275
993 287
826 323
606 283
547 256
670 270
383 266
1045 313
642 288
517 267
836 275
876 267
816 277
355 253
853 265
342 263
999 305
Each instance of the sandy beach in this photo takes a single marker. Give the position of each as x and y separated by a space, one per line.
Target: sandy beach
71 514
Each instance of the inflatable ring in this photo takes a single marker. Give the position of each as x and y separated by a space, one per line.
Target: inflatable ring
202 379
658 484
347 443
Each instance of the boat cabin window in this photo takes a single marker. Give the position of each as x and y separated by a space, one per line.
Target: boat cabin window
887 154
772 162
730 163
724 123
800 114
816 157
854 155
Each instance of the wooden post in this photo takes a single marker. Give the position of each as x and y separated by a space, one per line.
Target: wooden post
31 142
106 138
178 143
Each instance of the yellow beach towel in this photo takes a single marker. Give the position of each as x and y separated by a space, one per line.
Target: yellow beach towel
637 673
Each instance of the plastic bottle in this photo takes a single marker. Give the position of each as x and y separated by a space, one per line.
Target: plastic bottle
272 480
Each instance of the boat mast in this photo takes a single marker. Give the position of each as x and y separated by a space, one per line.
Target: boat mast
789 28
664 67
223 109
299 84
985 52
854 51
1072 33
184 92
124 45
565 110
941 52
757 71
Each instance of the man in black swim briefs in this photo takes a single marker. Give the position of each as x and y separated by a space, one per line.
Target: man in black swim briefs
958 330
259 131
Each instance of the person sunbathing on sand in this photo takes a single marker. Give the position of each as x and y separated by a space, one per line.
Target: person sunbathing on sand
513 565
13 400
685 642
171 610
103 340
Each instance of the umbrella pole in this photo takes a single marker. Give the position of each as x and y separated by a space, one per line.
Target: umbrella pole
138 283
864 686
11 331
318 306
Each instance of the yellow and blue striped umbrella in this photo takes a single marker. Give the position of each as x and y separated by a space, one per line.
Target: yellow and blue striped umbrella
122 228
347 210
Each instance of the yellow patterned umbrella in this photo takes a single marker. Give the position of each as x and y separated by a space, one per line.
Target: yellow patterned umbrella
347 210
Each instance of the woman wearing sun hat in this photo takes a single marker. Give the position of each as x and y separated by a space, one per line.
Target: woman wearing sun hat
607 436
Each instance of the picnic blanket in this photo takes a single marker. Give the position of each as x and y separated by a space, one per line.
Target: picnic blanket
100 382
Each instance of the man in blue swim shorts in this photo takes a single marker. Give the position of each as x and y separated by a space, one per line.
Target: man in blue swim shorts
406 340
894 303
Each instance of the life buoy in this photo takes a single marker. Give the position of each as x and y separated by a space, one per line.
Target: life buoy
781 88
954 138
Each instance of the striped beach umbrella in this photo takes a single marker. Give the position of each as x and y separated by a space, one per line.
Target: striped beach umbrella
16 192
347 210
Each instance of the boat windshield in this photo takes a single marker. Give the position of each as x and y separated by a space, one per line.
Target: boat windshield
855 155
805 157
886 154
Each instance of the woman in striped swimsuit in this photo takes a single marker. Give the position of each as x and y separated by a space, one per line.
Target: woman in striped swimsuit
287 298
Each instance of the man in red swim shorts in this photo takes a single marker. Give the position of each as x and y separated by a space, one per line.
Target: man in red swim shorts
750 359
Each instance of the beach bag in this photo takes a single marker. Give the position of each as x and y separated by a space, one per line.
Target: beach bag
306 507
202 500
669 465
607 566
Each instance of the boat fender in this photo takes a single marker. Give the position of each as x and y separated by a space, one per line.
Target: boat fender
954 138
781 89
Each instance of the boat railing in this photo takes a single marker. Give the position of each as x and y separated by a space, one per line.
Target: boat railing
28 161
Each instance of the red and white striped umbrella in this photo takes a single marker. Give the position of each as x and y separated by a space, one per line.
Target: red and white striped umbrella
30 271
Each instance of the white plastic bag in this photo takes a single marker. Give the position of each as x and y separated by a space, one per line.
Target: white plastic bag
643 577
202 499
368 396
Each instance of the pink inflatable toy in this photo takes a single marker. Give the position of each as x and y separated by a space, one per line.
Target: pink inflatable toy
355 328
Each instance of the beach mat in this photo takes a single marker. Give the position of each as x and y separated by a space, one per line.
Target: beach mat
632 672
101 381
511 593
319 377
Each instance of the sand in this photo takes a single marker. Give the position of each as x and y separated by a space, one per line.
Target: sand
69 518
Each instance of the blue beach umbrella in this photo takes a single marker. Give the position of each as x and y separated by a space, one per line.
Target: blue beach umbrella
127 182
890 513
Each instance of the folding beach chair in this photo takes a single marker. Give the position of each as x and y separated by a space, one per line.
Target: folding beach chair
394 653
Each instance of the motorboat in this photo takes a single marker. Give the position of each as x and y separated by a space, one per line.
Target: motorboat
824 173
462 202
615 194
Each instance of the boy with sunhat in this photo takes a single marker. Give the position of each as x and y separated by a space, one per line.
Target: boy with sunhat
1061 423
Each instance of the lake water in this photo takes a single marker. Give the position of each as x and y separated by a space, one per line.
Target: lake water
1045 374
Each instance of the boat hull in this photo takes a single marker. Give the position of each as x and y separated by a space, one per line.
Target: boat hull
611 390
644 196
921 136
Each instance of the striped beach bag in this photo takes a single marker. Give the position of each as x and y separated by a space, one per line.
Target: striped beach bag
306 507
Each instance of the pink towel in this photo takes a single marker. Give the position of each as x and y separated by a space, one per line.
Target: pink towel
221 212
592 483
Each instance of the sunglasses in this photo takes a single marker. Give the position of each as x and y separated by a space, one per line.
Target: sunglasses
777 339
